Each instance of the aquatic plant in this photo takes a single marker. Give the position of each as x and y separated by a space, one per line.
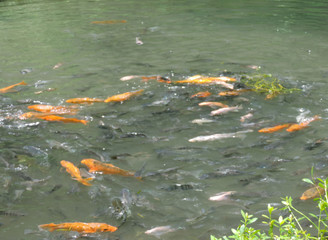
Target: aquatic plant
288 227
267 84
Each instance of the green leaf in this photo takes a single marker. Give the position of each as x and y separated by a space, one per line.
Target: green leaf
308 180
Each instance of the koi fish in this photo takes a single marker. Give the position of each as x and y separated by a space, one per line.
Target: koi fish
219 136
213 104
201 94
75 172
158 231
245 117
7 89
32 115
53 109
58 65
221 196
106 168
124 96
109 22
80 227
275 128
127 78
225 110
198 79
46 90
84 100
313 192
296 127
234 92
54 118
201 121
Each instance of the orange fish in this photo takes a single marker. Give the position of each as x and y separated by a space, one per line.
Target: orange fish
213 104
124 96
234 92
54 118
80 227
296 127
84 100
313 192
53 109
202 94
106 168
75 172
32 115
7 89
219 80
275 128
109 22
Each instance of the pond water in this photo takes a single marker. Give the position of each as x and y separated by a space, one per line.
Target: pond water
150 133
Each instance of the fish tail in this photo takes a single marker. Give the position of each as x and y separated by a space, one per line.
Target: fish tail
22 83
85 181
84 122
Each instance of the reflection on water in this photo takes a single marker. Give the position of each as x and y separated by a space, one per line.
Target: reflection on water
60 54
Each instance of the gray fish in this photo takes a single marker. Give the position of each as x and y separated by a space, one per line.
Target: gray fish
225 110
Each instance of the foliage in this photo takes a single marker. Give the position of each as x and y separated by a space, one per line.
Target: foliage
288 227
267 84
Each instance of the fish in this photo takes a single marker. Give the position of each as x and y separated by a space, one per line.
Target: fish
58 65
109 22
222 196
219 136
127 78
225 110
80 227
53 109
202 120
46 90
313 192
201 94
213 104
124 96
245 117
7 89
84 100
106 168
75 172
32 115
275 128
157 231
54 118
138 41
233 92
297 127
198 79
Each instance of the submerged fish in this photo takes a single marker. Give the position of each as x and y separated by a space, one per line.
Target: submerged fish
7 89
296 127
222 196
109 22
245 117
53 109
201 94
158 231
219 136
80 227
313 192
275 128
54 118
32 115
202 120
58 65
106 168
213 104
75 172
124 96
233 92
225 110
84 100
198 79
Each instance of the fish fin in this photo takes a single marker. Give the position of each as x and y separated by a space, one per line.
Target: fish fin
138 173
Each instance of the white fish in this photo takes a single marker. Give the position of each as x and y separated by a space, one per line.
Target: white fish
222 196
201 121
219 136
158 231
224 84
126 78
245 117
138 41
225 110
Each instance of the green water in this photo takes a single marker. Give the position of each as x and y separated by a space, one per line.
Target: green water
180 39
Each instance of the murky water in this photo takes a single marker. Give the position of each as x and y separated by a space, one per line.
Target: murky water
180 39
